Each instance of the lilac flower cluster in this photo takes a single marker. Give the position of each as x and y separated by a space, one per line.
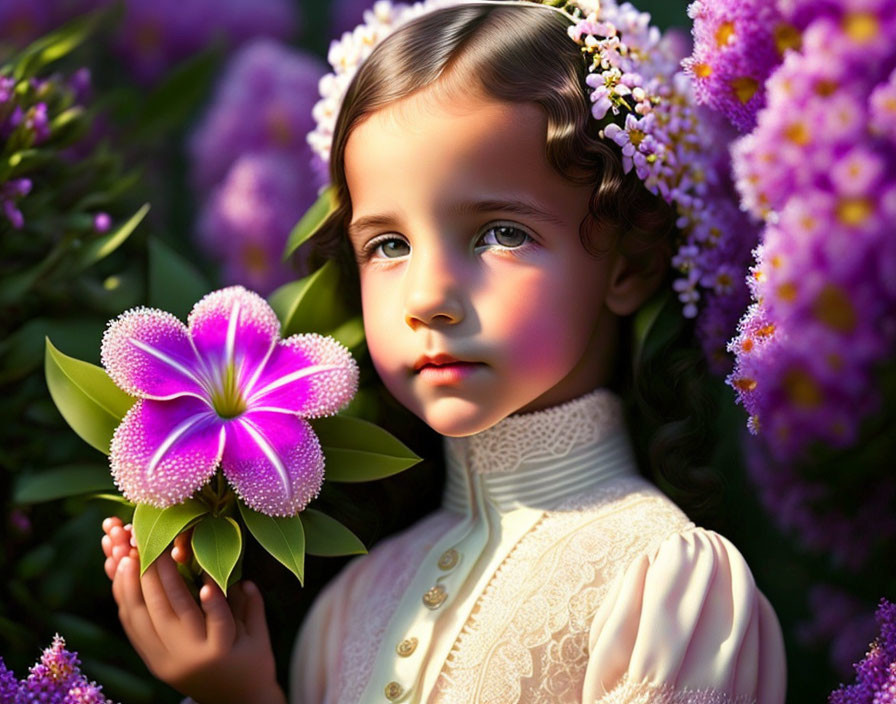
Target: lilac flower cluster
813 510
23 20
27 108
10 193
55 679
157 34
737 45
820 170
838 621
876 673
251 164
671 145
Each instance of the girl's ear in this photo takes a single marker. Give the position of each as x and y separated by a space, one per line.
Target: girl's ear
634 277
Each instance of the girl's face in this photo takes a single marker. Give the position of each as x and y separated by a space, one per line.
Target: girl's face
479 299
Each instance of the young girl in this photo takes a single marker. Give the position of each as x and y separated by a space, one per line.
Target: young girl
499 246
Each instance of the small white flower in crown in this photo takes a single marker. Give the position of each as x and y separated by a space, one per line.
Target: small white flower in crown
639 95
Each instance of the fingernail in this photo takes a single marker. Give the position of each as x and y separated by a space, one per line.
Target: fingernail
250 587
123 563
133 541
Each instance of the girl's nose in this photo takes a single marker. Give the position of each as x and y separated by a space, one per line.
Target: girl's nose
433 294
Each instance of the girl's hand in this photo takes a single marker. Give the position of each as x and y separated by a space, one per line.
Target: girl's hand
219 653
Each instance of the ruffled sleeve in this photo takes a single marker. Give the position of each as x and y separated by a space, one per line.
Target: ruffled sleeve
686 624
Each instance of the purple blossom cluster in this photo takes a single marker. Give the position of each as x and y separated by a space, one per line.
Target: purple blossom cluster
251 164
814 510
155 35
10 193
648 109
27 108
55 679
820 170
876 673
839 622
737 44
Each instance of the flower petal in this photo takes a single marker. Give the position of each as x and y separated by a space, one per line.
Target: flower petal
163 451
147 352
311 375
233 325
273 461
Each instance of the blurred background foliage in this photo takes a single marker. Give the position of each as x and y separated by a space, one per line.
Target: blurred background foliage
200 109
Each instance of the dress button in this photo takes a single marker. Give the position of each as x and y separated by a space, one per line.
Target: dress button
448 559
393 691
435 597
406 647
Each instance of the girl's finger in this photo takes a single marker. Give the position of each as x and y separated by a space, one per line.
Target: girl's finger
118 535
156 597
126 589
180 599
181 551
120 551
110 522
106 542
236 597
256 623
110 565
219 623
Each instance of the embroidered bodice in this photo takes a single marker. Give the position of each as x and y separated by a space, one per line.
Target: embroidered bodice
552 573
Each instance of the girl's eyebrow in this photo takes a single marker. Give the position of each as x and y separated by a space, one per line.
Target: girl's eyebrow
511 205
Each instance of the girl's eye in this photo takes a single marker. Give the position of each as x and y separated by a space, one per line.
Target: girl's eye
505 236
387 247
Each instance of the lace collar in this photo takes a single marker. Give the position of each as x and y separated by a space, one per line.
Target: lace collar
542 457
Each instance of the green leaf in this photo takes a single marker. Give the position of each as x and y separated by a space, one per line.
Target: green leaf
314 217
217 543
22 351
174 283
283 538
655 323
173 103
86 397
56 44
102 247
350 333
358 451
310 304
155 528
326 536
59 482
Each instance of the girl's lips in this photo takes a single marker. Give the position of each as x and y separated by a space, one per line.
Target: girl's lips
447 374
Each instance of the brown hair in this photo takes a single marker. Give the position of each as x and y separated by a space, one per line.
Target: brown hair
523 53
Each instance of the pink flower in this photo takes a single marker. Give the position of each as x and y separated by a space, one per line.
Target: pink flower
222 389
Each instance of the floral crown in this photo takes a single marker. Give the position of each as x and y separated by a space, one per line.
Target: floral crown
640 97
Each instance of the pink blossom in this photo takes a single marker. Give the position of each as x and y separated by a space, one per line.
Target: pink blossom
222 389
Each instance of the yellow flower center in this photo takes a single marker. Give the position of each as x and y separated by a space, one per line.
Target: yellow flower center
787 37
854 211
797 133
227 399
802 389
724 34
834 309
861 27
744 88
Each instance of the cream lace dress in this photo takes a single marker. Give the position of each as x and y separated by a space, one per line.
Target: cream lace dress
553 573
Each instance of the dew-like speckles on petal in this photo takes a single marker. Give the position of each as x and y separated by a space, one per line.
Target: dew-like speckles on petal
274 462
193 439
330 384
147 353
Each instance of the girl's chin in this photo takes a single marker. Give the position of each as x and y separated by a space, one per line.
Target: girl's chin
455 417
